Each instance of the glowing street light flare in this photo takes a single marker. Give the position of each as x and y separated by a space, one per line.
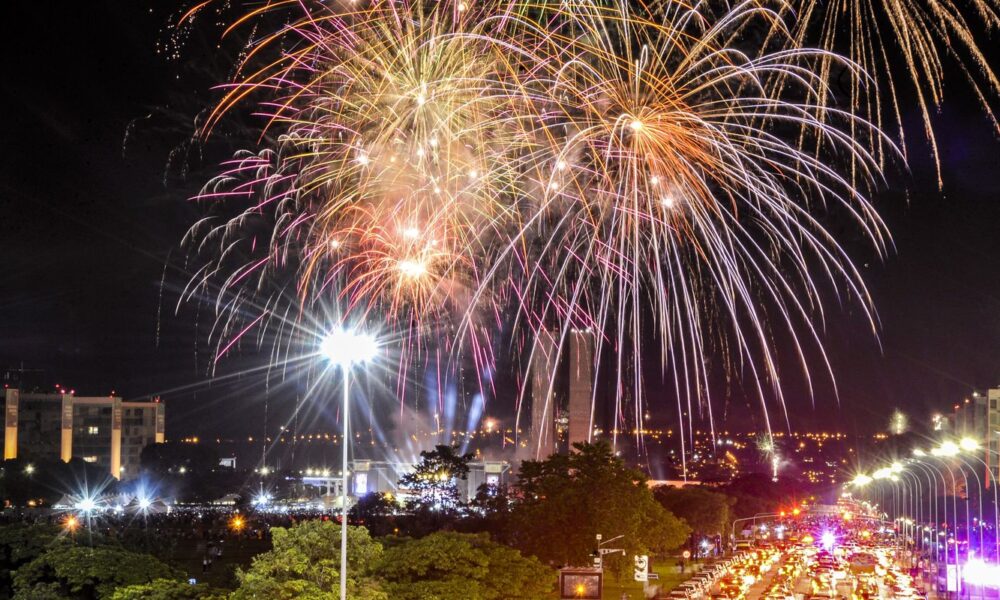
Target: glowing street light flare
345 348
861 480
947 449
968 444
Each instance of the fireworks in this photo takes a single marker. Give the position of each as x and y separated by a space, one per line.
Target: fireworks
470 174
906 47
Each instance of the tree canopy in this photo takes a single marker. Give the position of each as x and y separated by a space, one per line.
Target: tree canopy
706 512
458 566
304 564
21 543
168 589
566 500
85 573
435 478
757 493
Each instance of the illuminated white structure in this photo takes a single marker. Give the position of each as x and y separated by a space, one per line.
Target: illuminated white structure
380 476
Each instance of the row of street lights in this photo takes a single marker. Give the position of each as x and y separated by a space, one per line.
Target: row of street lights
907 491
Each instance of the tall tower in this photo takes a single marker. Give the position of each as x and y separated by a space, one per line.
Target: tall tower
542 440
581 385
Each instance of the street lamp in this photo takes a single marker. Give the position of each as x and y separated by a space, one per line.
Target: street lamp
968 444
861 480
947 449
346 348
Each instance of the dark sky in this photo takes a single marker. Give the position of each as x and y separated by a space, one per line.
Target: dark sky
87 225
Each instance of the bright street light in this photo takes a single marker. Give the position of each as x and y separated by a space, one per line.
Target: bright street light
346 348
968 444
861 480
947 449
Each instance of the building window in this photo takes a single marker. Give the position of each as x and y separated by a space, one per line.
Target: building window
93 430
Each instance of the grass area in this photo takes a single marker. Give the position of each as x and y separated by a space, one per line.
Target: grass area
669 579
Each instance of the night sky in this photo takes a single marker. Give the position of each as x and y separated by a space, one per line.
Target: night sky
88 223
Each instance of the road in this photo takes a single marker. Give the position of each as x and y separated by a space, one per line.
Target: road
826 556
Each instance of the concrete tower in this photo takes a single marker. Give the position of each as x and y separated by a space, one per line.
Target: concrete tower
581 385
542 439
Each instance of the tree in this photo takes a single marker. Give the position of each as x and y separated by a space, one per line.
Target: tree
705 512
86 573
168 589
566 500
435 478
21 543
757 493
375 511
304 563
458 566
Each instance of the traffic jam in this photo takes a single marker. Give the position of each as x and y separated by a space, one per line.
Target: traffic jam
831 553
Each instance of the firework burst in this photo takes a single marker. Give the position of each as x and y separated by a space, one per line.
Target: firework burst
906 47
450 168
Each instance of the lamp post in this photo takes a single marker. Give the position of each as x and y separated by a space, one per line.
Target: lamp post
346 348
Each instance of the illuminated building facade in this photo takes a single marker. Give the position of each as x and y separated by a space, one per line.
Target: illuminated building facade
104 430
379 476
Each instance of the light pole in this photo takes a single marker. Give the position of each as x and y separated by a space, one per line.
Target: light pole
346 348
